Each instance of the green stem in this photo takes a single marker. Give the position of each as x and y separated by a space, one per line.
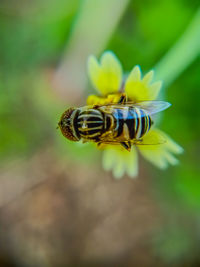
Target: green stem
182 54
92 30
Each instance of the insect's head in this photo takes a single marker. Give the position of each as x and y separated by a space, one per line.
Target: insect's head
65 125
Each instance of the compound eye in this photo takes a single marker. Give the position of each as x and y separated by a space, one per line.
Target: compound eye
68 122
65 125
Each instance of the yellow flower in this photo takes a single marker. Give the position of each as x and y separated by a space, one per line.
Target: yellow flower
107 79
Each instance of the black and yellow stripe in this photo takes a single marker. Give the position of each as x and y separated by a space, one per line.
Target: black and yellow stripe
123 124
119 122
90 124
131 123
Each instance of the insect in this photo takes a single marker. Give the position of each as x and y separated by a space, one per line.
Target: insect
123 123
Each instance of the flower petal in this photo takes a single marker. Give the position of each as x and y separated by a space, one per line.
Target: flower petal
139 89
106 77
119 169
148 77
154 89
108 160
93 70
95 100
132 163
135 74
171 144
160 154
120 161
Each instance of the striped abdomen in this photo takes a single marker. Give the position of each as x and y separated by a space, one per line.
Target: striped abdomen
131 123
89 124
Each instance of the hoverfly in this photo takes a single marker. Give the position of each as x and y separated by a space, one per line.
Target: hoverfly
123 123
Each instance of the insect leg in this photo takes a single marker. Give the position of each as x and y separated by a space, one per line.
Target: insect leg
96 106
123 99
126 145
99 144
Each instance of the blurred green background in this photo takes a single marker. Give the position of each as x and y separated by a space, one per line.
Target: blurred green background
57 206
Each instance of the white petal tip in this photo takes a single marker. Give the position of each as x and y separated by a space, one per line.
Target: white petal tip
180 150
168 105
109 56
108 53
91 59
148 77
133 176
137 68
136 73
117 176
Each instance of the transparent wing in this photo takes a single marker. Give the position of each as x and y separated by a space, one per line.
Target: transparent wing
151 107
